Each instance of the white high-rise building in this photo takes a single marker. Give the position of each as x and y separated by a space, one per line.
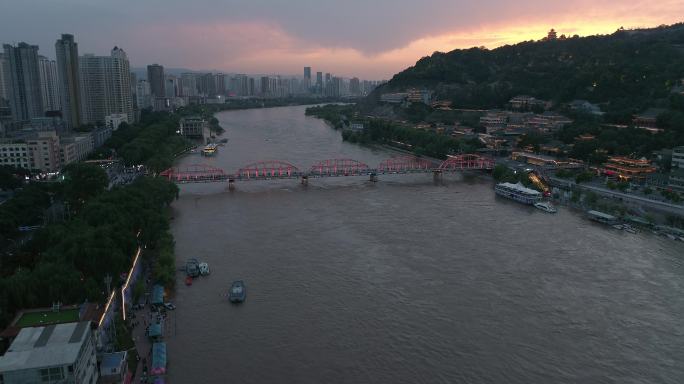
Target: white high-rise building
143 94
49 84
188 84
171 85
105 86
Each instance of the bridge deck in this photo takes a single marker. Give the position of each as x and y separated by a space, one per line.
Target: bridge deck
221 178
275 170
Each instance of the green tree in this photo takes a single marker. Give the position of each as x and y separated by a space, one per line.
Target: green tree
591 198
11 177
83 181
500 172
576 195
584 177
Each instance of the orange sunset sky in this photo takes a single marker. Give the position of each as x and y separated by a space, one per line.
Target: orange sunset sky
369 39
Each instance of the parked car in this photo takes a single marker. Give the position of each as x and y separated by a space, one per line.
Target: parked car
169 306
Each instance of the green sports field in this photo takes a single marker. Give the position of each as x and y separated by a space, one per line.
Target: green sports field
34 319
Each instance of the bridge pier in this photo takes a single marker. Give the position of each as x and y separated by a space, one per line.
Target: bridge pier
231 184
374 177
305 180
437 176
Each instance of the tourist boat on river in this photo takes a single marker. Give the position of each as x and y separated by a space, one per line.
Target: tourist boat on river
602 218
545 206
518 192
204 268
628 228
192 268
210 149
238 292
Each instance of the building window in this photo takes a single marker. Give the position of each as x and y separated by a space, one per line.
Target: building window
45 375
57 373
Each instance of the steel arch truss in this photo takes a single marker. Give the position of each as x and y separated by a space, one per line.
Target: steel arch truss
405 164
467 161
270 169
339 167
194 173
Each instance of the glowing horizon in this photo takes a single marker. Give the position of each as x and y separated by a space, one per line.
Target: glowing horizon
367 40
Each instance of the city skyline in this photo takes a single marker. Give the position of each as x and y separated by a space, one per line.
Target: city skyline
377 39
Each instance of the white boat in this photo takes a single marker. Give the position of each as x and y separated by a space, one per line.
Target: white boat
545 206
209 150
518 192
204 269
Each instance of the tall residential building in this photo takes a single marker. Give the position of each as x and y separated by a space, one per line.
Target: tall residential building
4 79
265 89
336 87
220 80
24 94
207 85
49 84
105 85
328 86
355 86
143 94
121 82
243 85
251 91
319 82
273 86
307 79
155 77
240 85
171 86
66 50
188 84
133 80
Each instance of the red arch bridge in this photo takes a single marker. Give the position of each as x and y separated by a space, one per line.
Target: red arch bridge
275 169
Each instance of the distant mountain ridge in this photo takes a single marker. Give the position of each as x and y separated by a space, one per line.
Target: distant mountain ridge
625 71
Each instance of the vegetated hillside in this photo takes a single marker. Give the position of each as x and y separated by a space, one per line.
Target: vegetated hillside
624 72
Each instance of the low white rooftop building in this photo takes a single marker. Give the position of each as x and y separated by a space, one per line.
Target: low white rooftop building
62 353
